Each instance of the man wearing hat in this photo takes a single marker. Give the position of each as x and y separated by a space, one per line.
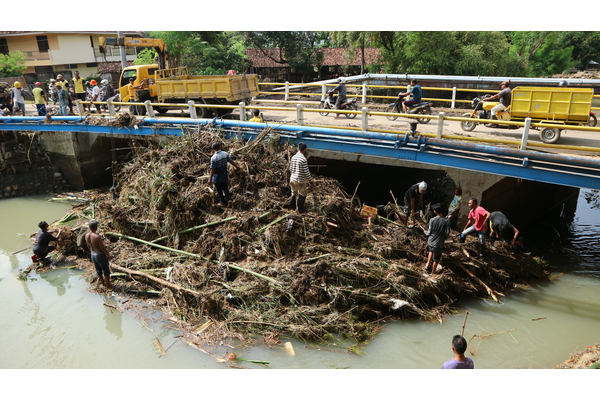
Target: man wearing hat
16 97
39 98
63 99
100 256
65 85
95 95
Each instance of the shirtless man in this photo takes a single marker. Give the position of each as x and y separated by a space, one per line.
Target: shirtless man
100 255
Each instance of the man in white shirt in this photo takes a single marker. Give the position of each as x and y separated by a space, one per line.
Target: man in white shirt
95 95
299 179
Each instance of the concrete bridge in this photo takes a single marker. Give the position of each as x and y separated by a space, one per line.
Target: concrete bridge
503 178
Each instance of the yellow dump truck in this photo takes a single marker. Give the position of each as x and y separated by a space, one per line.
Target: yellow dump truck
554 105
176 85
160 84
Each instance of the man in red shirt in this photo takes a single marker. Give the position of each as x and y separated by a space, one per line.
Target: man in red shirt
478 216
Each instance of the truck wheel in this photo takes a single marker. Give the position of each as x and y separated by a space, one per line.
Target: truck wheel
550 135
467 125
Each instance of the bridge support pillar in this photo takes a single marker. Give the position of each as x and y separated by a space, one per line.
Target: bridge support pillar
149 109
287 91
299 114
323 91
440 128
111 107
453 98
525 137
365 118
242 111
364 93
192 109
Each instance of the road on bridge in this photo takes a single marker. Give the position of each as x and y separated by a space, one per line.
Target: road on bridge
570 137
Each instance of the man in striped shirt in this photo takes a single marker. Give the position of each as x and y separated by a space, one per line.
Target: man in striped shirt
218 173
299 179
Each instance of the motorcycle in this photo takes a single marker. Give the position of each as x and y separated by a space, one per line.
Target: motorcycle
423 107
482 109
329 104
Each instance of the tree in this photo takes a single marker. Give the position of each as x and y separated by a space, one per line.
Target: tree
542 53
353 40
12 64
586 47
205 53
300 50
146 56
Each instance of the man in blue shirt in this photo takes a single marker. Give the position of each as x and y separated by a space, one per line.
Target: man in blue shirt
459 346
218 173
415 92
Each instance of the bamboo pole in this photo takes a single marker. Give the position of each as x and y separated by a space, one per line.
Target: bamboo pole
193 228
487 288
389 220
230 265
272 223
154 279
462 331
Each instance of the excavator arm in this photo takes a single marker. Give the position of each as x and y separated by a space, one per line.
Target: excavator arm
158 45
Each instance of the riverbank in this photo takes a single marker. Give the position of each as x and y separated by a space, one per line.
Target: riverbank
255 269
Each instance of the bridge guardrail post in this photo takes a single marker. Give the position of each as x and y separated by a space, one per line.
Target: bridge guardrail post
111 107
287 91
453 98
365 118
192 109
323 91
525 137
242 111
440 128
80 107
149 109
299 114
364 93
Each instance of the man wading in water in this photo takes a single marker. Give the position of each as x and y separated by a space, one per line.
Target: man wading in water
100 255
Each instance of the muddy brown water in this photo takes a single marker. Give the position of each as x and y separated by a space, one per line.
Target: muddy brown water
54 321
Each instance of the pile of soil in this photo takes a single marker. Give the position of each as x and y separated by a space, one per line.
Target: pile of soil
588 74
589 358
267 270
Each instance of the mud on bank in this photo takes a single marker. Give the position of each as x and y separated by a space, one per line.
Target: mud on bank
260 269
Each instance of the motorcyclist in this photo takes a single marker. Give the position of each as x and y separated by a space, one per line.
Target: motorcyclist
340 89
415 92
504 95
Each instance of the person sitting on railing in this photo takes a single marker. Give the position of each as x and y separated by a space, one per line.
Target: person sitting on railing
95 96
415 92
107 91
340 89
504 95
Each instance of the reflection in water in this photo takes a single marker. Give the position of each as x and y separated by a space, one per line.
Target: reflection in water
113 319
58 279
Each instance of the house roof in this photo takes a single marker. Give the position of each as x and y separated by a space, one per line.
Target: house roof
331 56
111 66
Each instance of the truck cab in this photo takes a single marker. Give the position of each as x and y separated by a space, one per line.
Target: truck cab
139 73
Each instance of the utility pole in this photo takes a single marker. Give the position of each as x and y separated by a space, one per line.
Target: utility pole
122 50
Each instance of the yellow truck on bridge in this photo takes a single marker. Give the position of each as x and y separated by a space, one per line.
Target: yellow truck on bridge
176 85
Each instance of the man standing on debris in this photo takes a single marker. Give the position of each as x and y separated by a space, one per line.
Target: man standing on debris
459 346
439 230
300 175
478 216
43 238
454 207
100 256
39 98
501 228
16 97
218 173
63 99
410 199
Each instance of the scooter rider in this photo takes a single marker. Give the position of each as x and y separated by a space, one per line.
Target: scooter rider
415 92
504 95
340 89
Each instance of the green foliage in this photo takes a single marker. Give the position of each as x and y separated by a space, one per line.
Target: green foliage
542 53
146 56
12 64
205 53
353 41
586 47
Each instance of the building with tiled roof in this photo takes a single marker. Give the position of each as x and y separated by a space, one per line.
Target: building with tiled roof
50 53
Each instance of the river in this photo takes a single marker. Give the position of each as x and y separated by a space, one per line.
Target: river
54 321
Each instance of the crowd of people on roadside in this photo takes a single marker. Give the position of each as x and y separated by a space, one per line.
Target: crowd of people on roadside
60 95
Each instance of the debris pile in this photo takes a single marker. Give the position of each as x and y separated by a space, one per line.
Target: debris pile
589 358
258 268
